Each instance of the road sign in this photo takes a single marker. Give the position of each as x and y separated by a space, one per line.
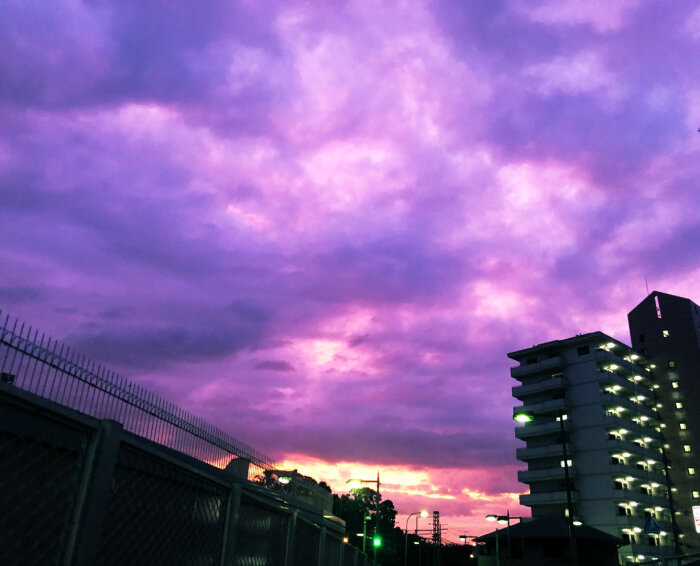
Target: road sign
696 516
651 526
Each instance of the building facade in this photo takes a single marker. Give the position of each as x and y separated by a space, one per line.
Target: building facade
594 417
666 329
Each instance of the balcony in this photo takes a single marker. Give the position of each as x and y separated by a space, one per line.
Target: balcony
643 499
549 451
629 385
552 384
641 430
631 447
535 430
630 522
550 407
549 364
636 408
648 551
549 498
642 476
605 358
533 476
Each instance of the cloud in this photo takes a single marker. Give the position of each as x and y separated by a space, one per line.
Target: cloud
274 365
601 16
574 75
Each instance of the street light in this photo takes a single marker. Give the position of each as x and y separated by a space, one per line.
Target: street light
365 518
524 418
498 537
503 520
405 546
355 483
463 538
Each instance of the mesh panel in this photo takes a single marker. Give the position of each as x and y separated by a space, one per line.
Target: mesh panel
331 551
306 544
39 485
157 514
261 535
349 555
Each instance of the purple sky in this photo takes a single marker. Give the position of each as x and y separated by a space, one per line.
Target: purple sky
322 225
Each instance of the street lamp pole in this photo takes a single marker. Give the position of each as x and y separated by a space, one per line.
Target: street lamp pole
569 503
405 546
464 538
526 418
503 520
365 518
355 483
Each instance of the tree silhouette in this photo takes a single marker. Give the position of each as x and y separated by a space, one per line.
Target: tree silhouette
359 503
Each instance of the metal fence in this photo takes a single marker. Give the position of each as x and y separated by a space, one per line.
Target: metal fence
37 363
77 491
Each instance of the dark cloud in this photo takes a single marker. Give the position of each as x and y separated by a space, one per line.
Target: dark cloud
395 270
153 347
392 447
14 295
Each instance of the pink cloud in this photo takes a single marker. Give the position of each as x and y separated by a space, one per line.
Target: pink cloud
602 16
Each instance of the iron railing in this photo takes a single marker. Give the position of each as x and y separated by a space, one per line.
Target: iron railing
46 367
77 491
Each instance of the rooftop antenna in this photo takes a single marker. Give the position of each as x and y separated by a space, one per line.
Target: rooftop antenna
647 285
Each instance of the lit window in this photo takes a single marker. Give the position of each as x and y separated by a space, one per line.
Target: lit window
569 463
691 471
686 448
674 385
696 495
679 405
664 333
671 364
683 426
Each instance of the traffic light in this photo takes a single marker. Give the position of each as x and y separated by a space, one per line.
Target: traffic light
377 541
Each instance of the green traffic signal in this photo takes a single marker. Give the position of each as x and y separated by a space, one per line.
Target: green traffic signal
377 541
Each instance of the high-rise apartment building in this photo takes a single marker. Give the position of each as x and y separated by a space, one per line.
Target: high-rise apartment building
666 329
594 418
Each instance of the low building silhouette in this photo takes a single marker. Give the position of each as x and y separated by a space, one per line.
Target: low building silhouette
545 542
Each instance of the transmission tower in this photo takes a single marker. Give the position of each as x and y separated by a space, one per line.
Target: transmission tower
437 538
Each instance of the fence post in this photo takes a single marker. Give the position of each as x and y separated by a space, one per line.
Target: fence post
291 538
233 512
95 488
322 547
